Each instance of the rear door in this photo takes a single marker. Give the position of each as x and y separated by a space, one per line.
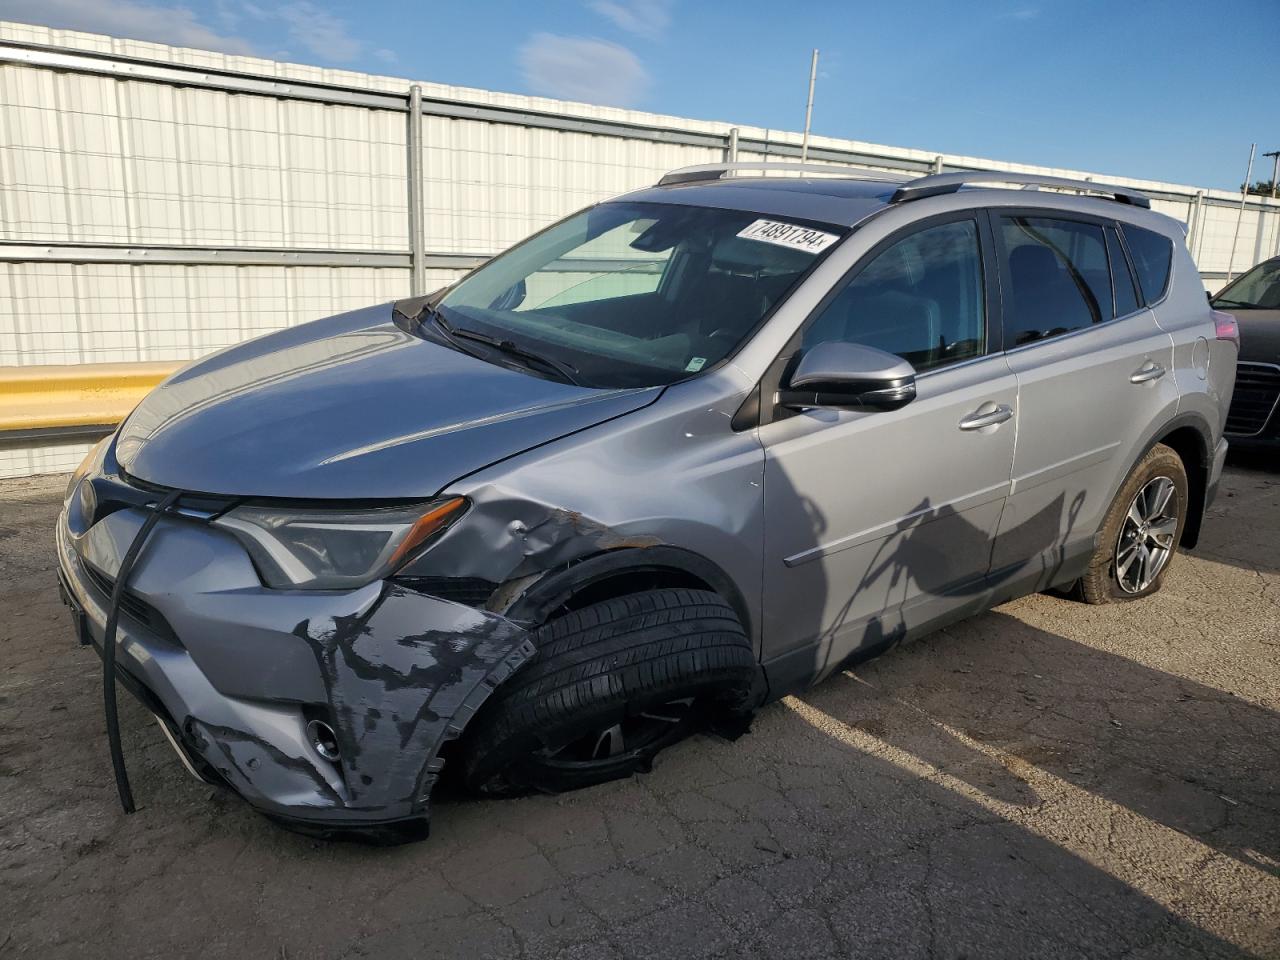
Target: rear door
879 523
1093 371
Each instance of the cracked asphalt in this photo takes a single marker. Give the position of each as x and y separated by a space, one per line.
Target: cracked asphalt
1046 780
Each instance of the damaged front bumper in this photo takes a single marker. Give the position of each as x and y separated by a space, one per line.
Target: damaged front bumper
236 671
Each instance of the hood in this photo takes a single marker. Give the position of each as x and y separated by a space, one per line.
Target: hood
1259 333
351 407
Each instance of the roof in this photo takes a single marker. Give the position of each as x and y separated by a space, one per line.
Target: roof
844 200
848 199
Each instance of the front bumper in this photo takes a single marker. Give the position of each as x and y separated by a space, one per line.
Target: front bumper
235 671
1254 416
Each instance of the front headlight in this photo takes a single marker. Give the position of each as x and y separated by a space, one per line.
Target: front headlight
336 549
92 463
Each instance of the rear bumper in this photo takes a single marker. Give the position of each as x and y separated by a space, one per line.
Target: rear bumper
235 671
1215 472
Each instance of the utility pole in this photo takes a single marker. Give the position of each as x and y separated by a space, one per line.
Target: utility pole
1244 195
808 107
1275 170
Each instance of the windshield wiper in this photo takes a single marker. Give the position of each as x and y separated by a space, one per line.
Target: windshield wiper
454 334
1234 303
446 329
512 349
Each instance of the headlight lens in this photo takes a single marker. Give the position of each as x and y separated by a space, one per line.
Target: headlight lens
92 462
336 549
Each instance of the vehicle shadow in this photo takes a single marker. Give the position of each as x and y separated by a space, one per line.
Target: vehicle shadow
1003 693
1259 459
1232 532
996 689
925 867
914 574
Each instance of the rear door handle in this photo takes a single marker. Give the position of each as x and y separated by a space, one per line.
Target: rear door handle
983 417
1148 371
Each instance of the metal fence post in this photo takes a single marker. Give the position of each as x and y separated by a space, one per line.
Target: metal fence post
417 265
1244 196
1257 236
1194 228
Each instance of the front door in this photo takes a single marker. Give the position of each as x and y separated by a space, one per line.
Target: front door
879 524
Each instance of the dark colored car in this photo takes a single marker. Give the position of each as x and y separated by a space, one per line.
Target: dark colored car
1254 300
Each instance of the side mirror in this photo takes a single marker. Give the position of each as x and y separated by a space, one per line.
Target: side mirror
849 376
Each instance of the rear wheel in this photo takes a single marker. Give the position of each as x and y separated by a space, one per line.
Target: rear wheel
610 686
1141 532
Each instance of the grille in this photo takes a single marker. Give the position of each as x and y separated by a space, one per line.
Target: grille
131 605
1257 387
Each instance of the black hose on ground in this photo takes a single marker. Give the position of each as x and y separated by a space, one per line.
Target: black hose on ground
109 647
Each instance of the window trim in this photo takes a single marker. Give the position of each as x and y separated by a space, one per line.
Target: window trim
771 381
1114 227
1055 213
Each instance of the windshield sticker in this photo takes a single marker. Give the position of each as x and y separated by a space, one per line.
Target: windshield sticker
695 364
789 235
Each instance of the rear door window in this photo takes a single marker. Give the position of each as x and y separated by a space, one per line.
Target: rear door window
1152 254
1056 277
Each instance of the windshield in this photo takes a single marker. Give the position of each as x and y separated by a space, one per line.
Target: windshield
1260 287
637 294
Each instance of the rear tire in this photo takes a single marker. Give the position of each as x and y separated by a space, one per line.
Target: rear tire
610 686
1139 537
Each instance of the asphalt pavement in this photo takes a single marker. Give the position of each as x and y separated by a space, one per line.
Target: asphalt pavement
1046 780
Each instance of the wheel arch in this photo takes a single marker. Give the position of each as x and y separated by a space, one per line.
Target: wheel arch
622 571
1190 437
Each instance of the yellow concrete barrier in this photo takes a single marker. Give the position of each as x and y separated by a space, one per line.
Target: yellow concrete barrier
51 398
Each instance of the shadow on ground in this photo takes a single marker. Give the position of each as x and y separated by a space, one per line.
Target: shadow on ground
1241 527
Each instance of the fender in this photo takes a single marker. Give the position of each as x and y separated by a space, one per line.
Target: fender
1198 473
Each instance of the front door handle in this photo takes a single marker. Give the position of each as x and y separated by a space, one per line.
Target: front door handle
1148 371
983 417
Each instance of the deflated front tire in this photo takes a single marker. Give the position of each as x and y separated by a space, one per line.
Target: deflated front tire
610 686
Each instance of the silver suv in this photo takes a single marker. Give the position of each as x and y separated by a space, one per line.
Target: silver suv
674 457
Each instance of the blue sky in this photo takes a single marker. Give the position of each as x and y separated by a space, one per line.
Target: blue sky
1173 91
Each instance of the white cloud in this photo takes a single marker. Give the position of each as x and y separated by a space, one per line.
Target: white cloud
645 18
583 68
320 32
1021 13
127 18
304 28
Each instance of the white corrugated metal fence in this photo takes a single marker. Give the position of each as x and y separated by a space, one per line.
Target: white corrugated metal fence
157 203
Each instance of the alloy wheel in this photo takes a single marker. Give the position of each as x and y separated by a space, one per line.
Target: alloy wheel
647 729
1146 540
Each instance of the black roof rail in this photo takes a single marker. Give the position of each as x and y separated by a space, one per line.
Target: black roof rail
940 183
715 171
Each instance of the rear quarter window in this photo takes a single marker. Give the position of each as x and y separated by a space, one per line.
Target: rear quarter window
1152 254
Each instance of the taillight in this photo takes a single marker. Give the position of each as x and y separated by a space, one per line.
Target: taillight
1226 328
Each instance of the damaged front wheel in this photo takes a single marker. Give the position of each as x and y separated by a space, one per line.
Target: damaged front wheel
610 686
